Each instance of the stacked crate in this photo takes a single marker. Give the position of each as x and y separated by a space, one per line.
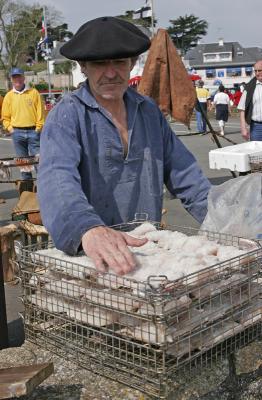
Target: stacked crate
141 333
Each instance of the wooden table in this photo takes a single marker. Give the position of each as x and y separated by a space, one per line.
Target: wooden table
20 381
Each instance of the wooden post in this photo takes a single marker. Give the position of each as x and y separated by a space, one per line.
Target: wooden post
8 252
3 319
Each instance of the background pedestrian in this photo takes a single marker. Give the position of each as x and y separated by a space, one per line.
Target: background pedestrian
23 117
222 105
203 103
250 106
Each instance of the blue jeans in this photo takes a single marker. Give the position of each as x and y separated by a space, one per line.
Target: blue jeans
27 143
255 131
201 122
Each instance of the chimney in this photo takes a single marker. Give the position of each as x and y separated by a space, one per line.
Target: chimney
221 42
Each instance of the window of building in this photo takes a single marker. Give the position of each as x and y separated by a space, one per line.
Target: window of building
234 71
225 56
210 57
221 74
249 71
211 73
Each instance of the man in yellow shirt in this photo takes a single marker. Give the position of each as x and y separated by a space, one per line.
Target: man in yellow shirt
23 117
204 102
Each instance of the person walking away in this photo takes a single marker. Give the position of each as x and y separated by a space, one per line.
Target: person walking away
23 117
250 106
204 103
107 151
221 103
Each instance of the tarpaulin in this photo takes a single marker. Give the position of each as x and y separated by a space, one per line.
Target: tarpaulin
165 79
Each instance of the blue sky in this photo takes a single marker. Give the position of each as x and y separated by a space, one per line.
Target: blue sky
235 20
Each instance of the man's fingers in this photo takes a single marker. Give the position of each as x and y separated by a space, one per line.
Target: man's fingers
134 242
99 264
108 247
116 261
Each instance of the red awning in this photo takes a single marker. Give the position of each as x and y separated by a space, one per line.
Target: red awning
194 77
134 81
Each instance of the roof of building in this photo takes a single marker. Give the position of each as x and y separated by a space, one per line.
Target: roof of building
56 55
240 55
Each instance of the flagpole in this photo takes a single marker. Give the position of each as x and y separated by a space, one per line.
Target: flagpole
152 18
47 55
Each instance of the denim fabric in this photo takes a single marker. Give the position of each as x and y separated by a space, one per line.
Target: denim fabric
201 122
255 131
84 180
26 143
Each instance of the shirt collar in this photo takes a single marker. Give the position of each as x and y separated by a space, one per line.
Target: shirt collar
21 91
258 82
85 95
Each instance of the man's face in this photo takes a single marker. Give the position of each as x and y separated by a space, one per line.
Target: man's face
258 70
18 81
108 79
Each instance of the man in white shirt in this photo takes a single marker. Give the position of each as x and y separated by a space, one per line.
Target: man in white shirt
250 106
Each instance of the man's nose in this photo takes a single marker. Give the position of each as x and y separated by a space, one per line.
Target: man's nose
110 70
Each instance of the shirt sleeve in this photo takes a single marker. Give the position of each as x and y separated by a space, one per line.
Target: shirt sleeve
65 209
242 101
39 112
6 113
183 176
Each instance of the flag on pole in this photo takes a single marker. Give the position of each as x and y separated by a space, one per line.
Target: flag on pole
144 11
42 42
43 27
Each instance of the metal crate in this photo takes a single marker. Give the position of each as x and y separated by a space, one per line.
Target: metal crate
142 333
255 164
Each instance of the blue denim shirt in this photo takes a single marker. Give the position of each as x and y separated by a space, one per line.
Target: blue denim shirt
85 180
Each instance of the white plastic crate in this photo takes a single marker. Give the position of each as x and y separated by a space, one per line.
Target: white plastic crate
236 157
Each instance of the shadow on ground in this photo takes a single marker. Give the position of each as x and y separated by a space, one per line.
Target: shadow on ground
236 387
219 180
55 392
9 194
16 334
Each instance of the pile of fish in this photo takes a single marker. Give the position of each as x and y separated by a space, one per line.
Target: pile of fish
183 282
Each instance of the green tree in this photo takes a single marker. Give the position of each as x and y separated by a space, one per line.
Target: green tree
20 29
59 32
128 16
186 31
64 67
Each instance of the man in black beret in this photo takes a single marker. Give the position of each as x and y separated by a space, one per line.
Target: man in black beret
107 151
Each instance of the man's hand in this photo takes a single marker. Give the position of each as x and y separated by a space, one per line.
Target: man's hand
108 248
245 133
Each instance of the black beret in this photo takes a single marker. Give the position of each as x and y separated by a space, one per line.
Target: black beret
105 38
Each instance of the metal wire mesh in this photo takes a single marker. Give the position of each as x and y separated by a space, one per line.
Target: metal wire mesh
255 163
141 333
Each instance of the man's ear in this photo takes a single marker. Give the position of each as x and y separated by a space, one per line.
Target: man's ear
82 66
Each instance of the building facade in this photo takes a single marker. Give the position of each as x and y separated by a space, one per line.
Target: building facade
223 62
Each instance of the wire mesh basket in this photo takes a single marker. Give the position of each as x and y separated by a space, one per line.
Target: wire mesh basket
255 164
142 332
10 164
